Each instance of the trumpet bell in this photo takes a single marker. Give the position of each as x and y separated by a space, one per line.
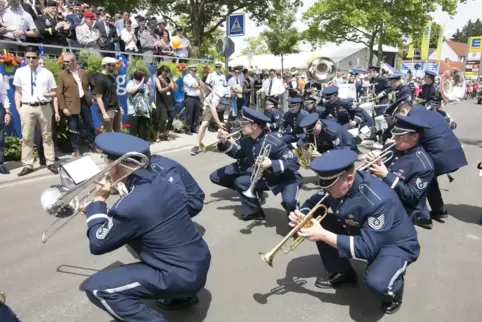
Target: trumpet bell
267 258
249 194
49 201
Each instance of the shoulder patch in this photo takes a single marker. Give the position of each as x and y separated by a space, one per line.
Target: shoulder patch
376 223
336 141
421 184
288 155
103 230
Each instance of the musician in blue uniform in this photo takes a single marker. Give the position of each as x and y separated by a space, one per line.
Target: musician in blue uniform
273 113
382 88
327 134
436 104
360 117
368 222
409 170
280 167
334 107
443 147
429 92
291 120
6 313
176 173
312 105
398 89
152 219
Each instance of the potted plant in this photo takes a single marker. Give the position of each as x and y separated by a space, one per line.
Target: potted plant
63 134
10 62
12 149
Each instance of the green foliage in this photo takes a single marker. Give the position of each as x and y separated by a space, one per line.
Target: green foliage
255 46
281 38
471 29
13 148
54 66
90 61
62 128
135 64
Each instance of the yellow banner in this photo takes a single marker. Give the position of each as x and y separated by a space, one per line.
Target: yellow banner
440 42
425 41
475 44
411 50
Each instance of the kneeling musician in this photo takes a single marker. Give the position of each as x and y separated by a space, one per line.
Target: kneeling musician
406 167
327 135
267 156
152 219
368 222
273 113
292 119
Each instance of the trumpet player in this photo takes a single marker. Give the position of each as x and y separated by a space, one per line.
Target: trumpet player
327 134
399 90
410 169
153 221
336 108
273 113
292 119
279 166
368 223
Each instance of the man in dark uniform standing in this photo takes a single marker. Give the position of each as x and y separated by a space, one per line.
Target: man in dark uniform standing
53 31
399 90
291 120
429 92
382 88
410 170
368 222
443 147
174 259
280 167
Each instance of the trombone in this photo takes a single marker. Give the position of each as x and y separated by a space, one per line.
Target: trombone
62 202
384 156
207 147
257 169
305 223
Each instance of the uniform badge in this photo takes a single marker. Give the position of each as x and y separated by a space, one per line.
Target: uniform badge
351 221
102 232
420 184
336 142
376 223
288 155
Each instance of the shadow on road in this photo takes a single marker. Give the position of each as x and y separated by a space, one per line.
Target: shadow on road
477 143
312 182
364 306
466 213
223 195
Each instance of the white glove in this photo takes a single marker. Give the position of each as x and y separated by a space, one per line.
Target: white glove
381 95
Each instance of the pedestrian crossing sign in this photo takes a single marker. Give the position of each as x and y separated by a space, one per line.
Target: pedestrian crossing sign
236 24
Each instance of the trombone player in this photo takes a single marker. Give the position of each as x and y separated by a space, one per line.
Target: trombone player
410 169
368 223
174 258
262 151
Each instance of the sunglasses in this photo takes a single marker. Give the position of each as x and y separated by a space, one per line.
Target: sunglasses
31 57
67 61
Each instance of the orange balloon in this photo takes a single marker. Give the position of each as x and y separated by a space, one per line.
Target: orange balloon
176 42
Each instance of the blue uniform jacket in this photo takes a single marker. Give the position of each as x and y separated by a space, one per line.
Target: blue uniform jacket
333 136
381 84
291 122
376 222
409 174
285 163
276 118
337 110
318 109
153 220
402 91
429 93
177 174
361 117
440 141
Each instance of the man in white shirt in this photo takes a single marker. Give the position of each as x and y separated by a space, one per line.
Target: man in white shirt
192 92
17 25
216 77
215 105
35 88
5 119
273 86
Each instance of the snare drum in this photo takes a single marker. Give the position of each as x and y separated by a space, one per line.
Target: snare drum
380 123
369 106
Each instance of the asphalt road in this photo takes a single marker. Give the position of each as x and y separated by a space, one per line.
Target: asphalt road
42 281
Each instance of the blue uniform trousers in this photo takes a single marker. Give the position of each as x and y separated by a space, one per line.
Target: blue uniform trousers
384 273
119 291
434 196
7 315
230 177
380 110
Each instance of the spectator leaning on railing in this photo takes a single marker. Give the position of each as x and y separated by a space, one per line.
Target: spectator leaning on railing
87 35
16 25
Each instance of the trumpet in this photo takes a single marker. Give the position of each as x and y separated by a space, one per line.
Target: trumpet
257 169
384 156
305 223
206 147
62 202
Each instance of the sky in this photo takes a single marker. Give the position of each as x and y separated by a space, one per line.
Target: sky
470 10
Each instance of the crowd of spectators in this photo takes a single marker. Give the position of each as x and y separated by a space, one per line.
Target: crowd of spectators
76 25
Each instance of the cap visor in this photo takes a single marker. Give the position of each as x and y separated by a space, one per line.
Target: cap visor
327 183
400 131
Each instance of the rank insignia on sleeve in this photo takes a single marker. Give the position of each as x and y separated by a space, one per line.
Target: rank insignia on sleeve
288 155
376 223
336 142
420 184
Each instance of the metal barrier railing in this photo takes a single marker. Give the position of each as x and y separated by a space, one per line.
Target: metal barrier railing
127 54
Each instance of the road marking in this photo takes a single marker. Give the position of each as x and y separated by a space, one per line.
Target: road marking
48 175
473 237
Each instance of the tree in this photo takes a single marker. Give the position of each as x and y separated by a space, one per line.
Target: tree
206 16
471 29
370 22
281 37
254 46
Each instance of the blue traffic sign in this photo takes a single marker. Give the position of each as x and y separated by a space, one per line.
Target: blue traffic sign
236 24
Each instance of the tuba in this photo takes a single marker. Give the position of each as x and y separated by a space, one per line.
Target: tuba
453 86
322 70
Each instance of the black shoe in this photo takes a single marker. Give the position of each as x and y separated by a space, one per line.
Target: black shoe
262 197
25 171
390 306
188 133
176 304
52 168
424 223
336 280
3 169
442 213
259 215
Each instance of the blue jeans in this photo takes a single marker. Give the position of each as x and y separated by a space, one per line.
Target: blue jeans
74 121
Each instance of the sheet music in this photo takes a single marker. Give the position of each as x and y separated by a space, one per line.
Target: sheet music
81 169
